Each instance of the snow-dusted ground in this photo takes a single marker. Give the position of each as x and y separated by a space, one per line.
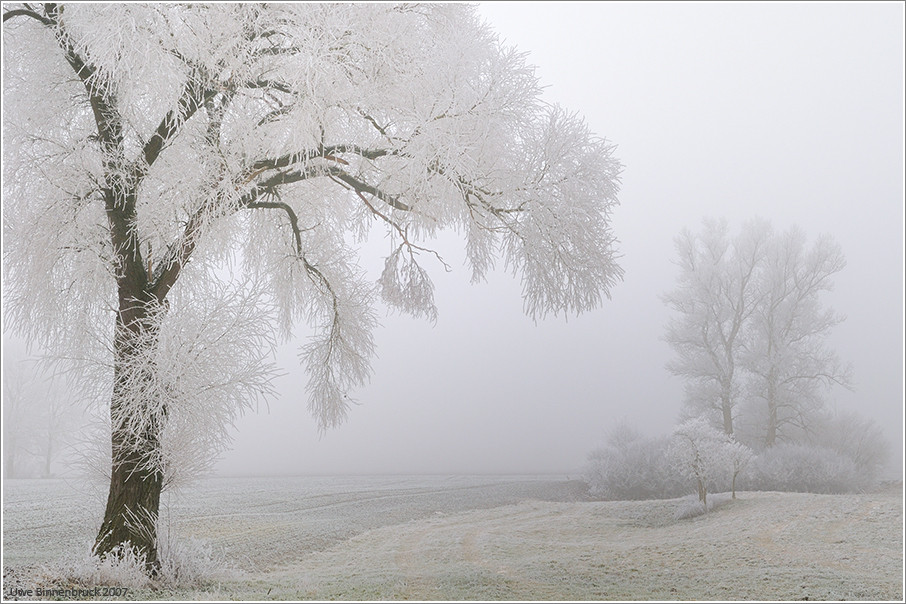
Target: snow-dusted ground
495 538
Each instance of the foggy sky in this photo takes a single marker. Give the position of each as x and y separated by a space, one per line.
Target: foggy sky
790 112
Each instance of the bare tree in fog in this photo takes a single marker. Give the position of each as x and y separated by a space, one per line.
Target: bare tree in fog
151 146
38 419
16 438
858 438
715 297
748 325
786 352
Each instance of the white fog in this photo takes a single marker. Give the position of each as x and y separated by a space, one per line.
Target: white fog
478 454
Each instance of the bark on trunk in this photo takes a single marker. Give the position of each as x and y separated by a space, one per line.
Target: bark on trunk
131 515
133 502
48 455
727 411
771 436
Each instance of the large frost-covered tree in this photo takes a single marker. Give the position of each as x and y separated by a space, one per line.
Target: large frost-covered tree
786 351
715 296
184 183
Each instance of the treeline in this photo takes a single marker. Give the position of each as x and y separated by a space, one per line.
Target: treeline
846 454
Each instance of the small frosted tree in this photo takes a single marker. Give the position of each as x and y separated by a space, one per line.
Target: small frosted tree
700 453
739 456
184 183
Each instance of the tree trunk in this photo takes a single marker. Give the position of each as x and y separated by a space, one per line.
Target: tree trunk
771 436
771 395
136 481
48 455
727 411
132 510
9 462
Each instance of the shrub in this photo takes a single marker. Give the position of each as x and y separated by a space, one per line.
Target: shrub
632 466
186 563
804 468
121 567
691 506
856 437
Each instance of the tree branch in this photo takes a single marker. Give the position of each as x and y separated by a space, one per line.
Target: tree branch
313 272
24 12
400 231
193 96
290 213
269 84
119 192
329 153
361 187
373 122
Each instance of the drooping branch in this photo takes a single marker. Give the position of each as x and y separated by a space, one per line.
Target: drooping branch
313 272
399 230
290 213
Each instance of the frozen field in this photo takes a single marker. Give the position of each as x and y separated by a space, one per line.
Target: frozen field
428 537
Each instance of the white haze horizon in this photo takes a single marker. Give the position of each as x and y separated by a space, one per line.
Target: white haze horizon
788 112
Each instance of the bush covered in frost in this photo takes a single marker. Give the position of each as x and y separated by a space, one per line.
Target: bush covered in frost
632 466
843 453
122 567
857 438
804 468
183 564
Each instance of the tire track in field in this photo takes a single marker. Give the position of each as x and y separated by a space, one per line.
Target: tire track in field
418 583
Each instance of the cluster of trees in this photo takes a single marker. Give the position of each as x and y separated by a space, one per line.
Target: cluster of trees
749 331
186 182
749 335
696 456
